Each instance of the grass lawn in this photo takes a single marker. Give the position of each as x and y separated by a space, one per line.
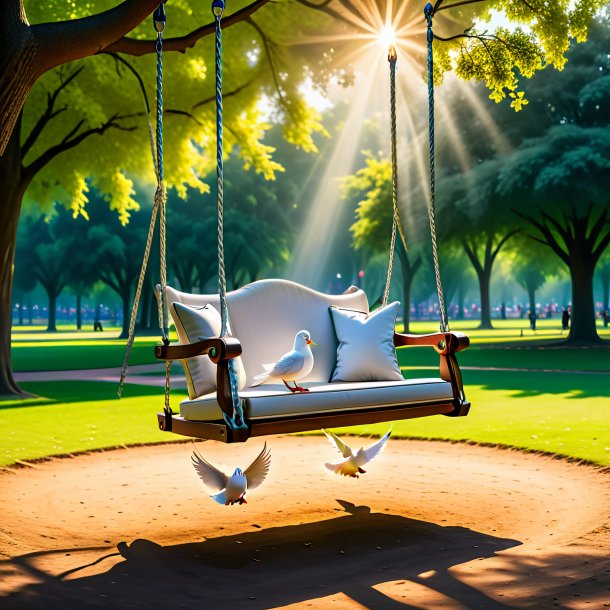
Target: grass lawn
72 416
564 413
35 350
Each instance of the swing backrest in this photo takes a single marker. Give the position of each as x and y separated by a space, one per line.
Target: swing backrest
266 315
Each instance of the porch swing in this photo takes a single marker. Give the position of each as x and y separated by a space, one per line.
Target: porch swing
259 320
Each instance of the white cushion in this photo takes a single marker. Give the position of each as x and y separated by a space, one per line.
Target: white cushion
266 315
193 324
276 401
366 349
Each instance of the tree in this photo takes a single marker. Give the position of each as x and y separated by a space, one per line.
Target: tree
474 220
604 276
118 253
40 51
49 256
559 184
371 186
531 266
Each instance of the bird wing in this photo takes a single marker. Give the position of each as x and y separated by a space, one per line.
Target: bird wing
292 362
374 450
344 467
257 471
338 444
214 479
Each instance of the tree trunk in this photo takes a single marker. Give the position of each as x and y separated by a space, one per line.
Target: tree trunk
126 313
409 270
531 291
582 322
605 279
10 207
484 276
407 282
79 313
52 326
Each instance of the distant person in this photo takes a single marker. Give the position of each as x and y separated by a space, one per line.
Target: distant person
606 318
565 319
520 310
532 318
97 323
503 311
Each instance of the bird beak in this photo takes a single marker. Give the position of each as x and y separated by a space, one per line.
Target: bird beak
310 342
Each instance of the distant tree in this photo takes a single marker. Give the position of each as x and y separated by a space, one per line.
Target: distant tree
559 184
25 281
474 219
49 256
371 187
82 272
603 271
118 253
531 265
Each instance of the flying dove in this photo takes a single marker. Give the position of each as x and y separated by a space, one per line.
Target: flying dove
293 365
229 490
352 463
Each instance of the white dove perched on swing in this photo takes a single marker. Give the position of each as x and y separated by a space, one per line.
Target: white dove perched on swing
352 463
293 365
229 490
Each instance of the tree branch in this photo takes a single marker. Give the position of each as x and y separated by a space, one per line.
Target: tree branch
137 48
64 41
546 233
70 141
597 227
239 89
49 114
502 242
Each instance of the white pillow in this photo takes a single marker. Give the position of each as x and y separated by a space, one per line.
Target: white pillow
366 349
192 325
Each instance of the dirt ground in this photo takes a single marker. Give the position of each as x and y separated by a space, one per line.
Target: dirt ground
430 525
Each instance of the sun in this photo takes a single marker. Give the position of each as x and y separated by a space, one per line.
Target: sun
387 37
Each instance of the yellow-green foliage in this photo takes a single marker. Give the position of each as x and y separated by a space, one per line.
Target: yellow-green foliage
106 88
500 56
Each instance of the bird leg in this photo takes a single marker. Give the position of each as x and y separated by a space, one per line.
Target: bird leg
296 388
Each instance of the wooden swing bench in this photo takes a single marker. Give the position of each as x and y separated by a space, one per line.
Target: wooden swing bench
264 317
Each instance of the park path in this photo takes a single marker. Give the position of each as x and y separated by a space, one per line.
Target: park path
154 374
140 374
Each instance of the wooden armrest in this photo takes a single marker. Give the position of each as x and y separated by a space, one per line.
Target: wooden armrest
443 343
217 348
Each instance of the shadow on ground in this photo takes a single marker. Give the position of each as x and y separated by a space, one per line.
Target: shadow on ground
349 554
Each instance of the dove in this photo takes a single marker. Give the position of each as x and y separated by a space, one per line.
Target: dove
352 463
229 490
293 365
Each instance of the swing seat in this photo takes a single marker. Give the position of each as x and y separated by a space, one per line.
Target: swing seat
264 317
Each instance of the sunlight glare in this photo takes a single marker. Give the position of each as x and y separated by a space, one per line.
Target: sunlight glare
387 37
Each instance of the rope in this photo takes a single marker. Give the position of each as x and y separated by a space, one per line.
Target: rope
159 208
222 280
396 224
237 420
444 323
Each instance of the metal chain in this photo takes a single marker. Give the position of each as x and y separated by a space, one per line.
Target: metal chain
237 421
396 224
444 323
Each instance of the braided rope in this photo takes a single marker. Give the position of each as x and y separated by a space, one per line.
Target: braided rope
396 224
444 323
159 208
222 280
237 420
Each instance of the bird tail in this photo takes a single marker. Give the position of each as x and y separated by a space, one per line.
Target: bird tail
220 497
258 379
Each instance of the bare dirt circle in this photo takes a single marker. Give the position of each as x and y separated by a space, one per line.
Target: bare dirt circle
430 525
